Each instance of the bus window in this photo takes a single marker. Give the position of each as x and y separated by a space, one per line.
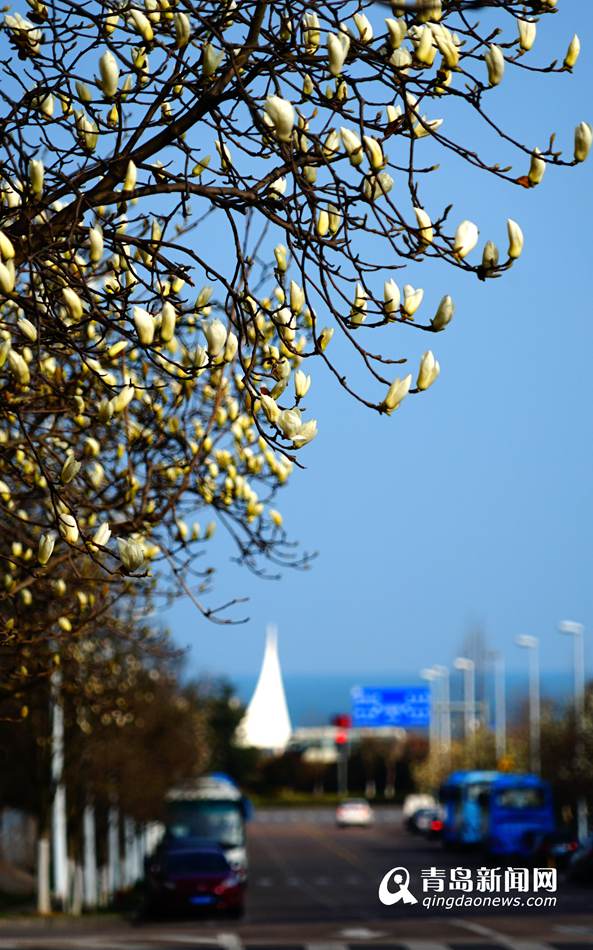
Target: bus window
520 798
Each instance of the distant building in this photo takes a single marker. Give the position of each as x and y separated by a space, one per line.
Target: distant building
266 723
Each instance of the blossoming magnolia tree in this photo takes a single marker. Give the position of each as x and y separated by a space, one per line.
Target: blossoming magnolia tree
196 197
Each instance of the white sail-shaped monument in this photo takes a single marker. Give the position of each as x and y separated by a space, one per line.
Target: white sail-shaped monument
266 723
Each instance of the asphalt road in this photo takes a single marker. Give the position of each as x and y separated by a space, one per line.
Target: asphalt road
315 886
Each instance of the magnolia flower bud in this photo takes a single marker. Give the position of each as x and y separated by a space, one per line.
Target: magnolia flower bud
102 535
353 146
334 219
444 314
73 303
375 186
36 173
374 152
490 256
26 327
428 371
401 59
211 59
425 50
324 338
583 137
364 27
392 297
131 553
412 299
305 434
516 239
466 238
397 31
302 384
270 408
145 325
358 310
311 32
337 48
109 70
96 244
216 336
131 175
142 25
47 105
231 347
70 469
123 398
68 527
282 114
527 33
6 279
6 247
290 422
19 367
297 297
275 517
168 321
46 547
322 223
396 393
424 226
495 63
280 255
537 168
573 52
182 30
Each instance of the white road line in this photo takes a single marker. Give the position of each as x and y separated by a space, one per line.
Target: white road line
184 938
230 941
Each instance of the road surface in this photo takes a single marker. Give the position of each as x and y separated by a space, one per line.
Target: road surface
315 886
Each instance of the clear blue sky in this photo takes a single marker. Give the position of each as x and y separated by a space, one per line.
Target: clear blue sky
473 504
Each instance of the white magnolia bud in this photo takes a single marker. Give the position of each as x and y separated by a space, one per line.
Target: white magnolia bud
495 63
392 297
36 174
6 279
527 33
375 186
281 112
353 146
305 434
73 303
537 168
96 243
573 52
281 258
424 226
290 422
374 152
583 137
516 239
302 384
397 31
6 247
102 534
145 325
428 371
490 256
182 30
131 175
211 59
337 48
109 70
270 408
466 238
412 299
425 50
297 297
68 527
19 367
216 336
26 327
46 547
364 27
131 553
142 25
311 32
444 314
358 310
70 469
231 347
168 321
398 391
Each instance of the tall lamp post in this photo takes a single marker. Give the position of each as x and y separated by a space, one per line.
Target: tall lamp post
577 630
468 668
430 675
532 645
500 712
445 707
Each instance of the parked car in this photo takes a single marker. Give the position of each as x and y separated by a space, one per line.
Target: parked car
580 866
554 849
354 813
426 821
193 878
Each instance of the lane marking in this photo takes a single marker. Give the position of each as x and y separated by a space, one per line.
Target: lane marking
489 932
230 941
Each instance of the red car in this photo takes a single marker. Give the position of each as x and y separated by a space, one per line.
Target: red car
182 879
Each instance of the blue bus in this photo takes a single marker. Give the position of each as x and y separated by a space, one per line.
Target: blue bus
520 808
463 797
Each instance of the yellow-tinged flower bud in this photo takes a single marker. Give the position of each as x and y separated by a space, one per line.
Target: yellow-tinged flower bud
46 547
36 175
145 325
374 152
527 33
311 32
70 469
490 256
26 327
444 314
282 115
270 408
102 535
73 302
398 391
210 529
6 247
6 278
516 239
583 138
363 25
334 219
428 371
131 553
111 22
337 49
182 30
216 337
495 64
211 59
413 297
358 311
168 322
424 48
109 70
322 223
353 146
297 297
275 517
280 253
324 338
131 175
537 168
397 31
573 52
424 226
19 367
142 25
68 527
391 297
64 624
466 238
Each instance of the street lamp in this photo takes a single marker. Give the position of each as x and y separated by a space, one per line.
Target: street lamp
430 675
445 707
500 715
468 667
577 630
532 644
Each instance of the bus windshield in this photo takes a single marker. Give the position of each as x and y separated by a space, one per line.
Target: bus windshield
520 798
216 821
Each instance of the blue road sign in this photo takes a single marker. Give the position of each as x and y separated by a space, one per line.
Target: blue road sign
407 706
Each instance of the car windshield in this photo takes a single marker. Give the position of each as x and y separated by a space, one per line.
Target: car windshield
196 862
520 798
215 821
